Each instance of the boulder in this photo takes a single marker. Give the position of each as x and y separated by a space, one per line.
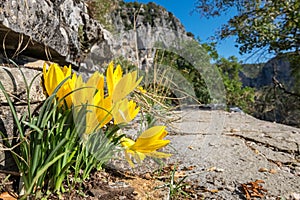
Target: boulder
60 31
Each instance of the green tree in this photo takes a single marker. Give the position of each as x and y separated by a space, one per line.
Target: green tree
259 24
236 94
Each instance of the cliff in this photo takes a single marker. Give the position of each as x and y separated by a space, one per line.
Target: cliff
278 89
48 30
137 30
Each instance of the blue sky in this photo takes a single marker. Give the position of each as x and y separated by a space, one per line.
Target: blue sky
202 27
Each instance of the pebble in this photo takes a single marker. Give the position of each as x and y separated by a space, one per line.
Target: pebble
286 169
263 169
295 196
230 188
147 176
294 132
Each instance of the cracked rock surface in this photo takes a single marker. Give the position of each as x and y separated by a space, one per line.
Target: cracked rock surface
230 149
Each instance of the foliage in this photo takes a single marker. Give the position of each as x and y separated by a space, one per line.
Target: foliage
236 94
41 142
188 71
101 9
273 25
177 187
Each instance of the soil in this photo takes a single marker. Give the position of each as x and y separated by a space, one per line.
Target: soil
112 184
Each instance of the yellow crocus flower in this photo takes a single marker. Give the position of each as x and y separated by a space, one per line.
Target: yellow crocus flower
54 76
103 109
146 145
113 77
91 95
85 92
119 87
124 111
126 85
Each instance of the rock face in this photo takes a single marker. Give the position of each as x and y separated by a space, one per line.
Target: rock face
143 27
278 89
60 31
65 32
137 31
278 67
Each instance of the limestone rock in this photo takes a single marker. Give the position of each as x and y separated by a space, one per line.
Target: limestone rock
60 31
13 81
137 31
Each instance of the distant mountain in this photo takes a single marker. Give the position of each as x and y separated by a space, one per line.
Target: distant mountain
278 88
262 74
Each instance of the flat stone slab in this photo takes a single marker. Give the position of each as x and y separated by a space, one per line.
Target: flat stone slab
224 150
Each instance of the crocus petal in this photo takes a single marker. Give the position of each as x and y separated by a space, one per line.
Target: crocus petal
126 85
67 71
141 90
146 146
133 110
139 156
124 111
82 95
68 88
113 77
158 132
126 142
52 77
127 156
96 81
103 111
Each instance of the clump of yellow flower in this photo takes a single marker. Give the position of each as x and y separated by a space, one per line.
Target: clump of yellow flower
146 145
102 108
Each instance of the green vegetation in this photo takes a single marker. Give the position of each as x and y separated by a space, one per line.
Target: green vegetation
176 187
101 10
236 94
188 71
273 26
